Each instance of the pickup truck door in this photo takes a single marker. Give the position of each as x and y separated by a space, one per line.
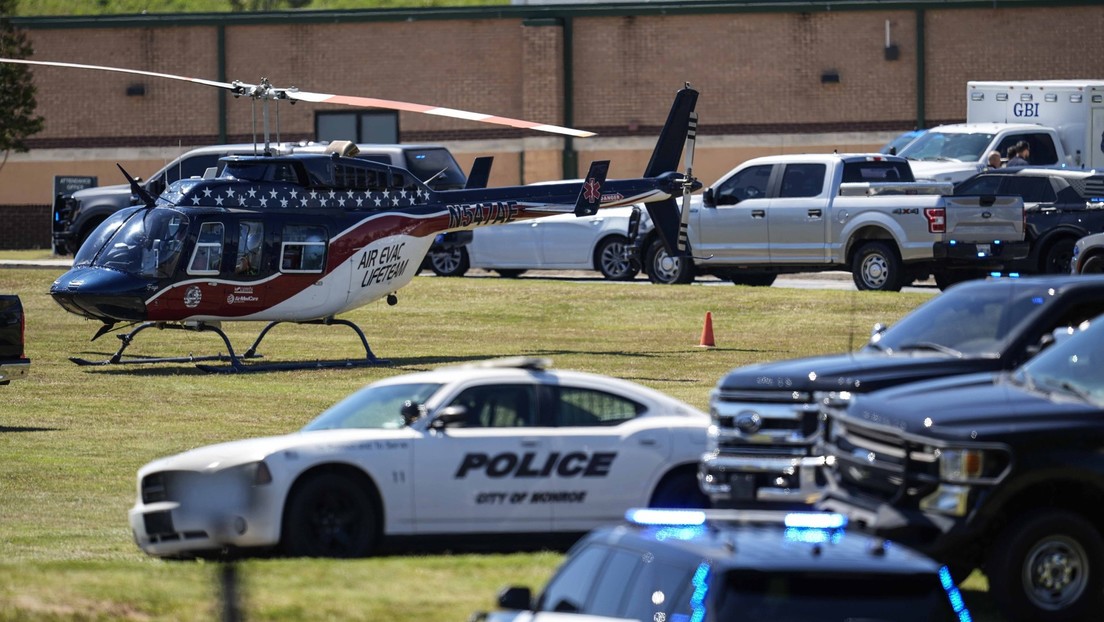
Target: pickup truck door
798 222
735 227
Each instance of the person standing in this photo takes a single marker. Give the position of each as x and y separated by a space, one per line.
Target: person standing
1018 154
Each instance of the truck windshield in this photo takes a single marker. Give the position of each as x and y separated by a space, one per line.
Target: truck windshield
1072 366
147 242
373 407
941 146
978 319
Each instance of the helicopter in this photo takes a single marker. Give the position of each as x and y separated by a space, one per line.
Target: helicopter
304 237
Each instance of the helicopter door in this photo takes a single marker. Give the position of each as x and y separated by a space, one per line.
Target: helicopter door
303 260
206 258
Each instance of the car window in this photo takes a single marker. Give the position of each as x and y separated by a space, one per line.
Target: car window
575 406
1032 189
570 588
658 591
609 594
750 183
982 184
874 171
802 180
498 406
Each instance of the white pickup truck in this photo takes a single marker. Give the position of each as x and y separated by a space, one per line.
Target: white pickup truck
862 212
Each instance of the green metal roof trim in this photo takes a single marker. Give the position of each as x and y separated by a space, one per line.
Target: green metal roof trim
606 9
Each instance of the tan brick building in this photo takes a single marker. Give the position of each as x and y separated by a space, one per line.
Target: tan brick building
775 77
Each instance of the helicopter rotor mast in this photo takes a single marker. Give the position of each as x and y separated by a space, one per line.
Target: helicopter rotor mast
265 92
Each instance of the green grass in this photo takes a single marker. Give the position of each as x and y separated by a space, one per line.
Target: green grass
71 438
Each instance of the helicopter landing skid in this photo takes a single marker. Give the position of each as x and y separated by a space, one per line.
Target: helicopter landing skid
236 364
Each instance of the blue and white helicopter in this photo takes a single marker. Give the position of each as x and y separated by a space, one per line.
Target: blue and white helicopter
303 238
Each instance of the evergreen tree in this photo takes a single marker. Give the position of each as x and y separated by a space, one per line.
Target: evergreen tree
17 92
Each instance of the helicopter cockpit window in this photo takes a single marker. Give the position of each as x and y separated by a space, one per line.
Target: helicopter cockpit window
207 256
100 235
149 243
303 249
250 241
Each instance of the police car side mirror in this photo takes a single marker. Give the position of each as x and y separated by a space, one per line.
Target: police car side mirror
708 199
516 598
450 415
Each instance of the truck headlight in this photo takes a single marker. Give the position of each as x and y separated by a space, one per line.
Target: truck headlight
964 465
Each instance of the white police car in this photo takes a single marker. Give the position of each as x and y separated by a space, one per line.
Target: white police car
505 447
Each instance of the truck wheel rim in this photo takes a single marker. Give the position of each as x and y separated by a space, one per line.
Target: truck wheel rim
666 266
1055 573
875 269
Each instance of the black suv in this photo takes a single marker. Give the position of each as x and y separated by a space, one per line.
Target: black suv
1060 206
684 565
999 471
767 416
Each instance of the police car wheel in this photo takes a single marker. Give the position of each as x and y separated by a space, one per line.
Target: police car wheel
328 515
1043 567
679 490
1058 257
1093 265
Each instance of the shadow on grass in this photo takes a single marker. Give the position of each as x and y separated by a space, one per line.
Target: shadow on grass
7 428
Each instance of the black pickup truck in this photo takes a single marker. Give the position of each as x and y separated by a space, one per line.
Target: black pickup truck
999 471
1060 207
766 417
13 363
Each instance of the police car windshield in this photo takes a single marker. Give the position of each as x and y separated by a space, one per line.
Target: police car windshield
373 407
1071 366
754 596
975 320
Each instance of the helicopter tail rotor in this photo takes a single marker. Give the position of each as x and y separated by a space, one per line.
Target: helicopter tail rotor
679 131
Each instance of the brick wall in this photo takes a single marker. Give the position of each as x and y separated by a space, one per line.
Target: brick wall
24 226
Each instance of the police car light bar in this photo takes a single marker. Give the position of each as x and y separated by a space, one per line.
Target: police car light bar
674 517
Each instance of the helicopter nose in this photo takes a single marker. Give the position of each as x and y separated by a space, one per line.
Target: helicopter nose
101 294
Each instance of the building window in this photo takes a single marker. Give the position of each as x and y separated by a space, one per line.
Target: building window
376 126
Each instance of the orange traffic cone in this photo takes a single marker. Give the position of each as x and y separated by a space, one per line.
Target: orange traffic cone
707 332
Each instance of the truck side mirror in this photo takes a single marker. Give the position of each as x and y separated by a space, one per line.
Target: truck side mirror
516 598
708 199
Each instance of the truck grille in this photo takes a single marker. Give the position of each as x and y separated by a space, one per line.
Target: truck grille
777 420
880 463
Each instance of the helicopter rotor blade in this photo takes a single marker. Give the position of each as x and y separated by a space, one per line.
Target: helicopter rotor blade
138 72
266 91
687 188
372 102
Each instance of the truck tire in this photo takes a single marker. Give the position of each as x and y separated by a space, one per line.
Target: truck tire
1093 265
1057 258
665 269
328 515
679 489
876 267
451 262
612 260
1046 566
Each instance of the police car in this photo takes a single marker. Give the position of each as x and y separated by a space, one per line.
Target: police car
693 565
502 447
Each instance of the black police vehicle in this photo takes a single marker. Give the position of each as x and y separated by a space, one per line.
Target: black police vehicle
766 417
700 566
999 471
1060 207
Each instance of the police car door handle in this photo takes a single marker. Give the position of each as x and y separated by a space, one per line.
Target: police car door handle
650 442
758 213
